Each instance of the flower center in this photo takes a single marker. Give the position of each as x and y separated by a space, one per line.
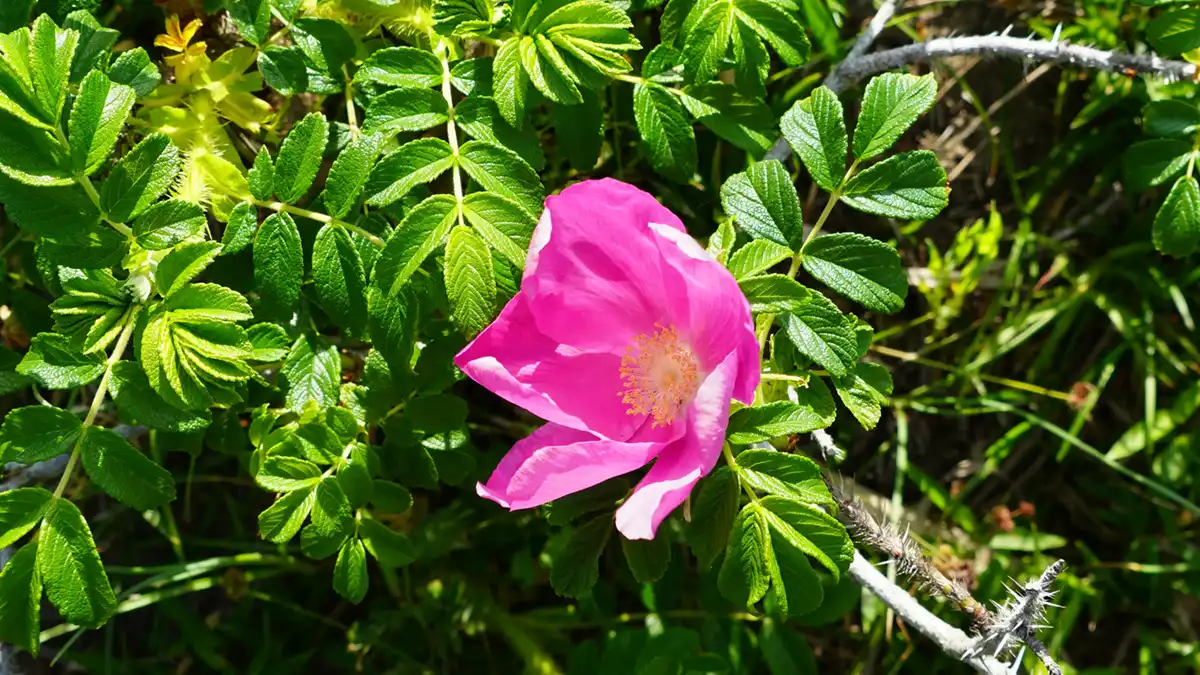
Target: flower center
660 375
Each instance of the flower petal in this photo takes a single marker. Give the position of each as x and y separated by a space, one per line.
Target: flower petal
577 389
705 303
594 274
556 461
684 462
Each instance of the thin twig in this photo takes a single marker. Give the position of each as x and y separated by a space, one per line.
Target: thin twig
837 77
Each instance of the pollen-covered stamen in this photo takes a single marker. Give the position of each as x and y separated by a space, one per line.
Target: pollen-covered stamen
660 375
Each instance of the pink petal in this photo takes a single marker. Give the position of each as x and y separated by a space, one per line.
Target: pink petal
684 462
706 304
594 273
556 461
561 384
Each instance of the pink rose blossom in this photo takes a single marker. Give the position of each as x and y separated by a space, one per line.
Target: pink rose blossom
630 341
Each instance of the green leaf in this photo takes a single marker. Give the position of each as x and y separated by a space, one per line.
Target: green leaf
816 130
207 302
796 588
499 221
667 137
713 510
776 293
51 50
812 410
278 265
548 72
270 342
764 202
860 268
1175 31
577 568
757 257
183 264
708 38
1156 161
415 163
123 472
773 23
743 121
32 156
647 558
470 281
813 531
281 473
892 102
393 325
313 372
300 157
503 172
325 42
390 497
135 69
349 174
339 279
821 332
1171 118
261 177
139 403
721 242
61 213
284 70
463 17
479 117
865 391
252 18
37 432
142 176
240 230
96 119
15 15
20 511
95 43
350 578
70 567
21 600
332 521
282 520
401 67
167 223
421 231
579 130
57 364
1177 223
404 110
911 185
511 82
389 547
785 475
749 561
355 480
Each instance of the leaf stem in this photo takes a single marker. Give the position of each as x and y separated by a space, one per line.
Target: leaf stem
319 217
727 453
452 135
86 183
98 399
351 113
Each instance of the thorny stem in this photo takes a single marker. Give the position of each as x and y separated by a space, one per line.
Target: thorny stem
452 136
98 399
319 217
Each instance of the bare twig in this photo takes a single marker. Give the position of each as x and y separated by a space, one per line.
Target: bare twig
1050 51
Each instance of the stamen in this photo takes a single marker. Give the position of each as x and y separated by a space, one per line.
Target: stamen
660 375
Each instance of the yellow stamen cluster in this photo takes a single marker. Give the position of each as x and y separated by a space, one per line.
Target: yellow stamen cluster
660 375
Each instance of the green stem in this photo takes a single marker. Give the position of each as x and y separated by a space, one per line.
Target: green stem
727 453
85 183
351 113
98 399
452 136
319 217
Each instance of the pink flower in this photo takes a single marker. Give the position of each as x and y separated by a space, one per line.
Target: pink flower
630 341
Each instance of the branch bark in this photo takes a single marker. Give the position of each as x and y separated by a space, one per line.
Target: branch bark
950 639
